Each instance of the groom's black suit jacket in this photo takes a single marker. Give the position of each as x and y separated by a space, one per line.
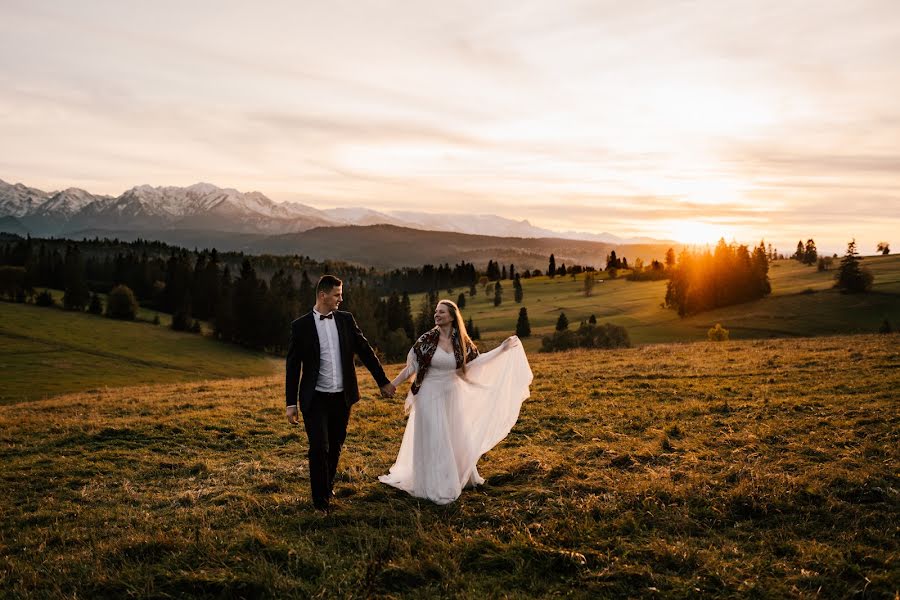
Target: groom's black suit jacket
303 356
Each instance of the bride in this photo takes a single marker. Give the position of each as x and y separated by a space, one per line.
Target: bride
460 405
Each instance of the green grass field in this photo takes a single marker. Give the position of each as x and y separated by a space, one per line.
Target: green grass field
761 469
144 314
45 352
802 303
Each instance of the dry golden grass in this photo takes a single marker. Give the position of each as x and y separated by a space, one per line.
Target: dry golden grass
754 468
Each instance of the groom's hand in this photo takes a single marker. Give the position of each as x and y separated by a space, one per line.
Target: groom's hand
292 416
387 390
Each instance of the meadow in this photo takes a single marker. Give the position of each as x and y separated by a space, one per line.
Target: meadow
45 352
802 303
756 468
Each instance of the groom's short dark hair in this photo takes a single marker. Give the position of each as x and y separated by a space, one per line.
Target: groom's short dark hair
327 283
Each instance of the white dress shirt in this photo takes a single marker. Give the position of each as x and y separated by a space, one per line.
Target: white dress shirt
331 372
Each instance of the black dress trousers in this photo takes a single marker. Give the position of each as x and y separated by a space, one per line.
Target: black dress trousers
326 428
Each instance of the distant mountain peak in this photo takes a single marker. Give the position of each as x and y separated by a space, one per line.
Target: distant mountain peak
204 206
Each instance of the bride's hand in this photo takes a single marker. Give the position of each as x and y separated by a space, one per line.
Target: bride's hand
510 342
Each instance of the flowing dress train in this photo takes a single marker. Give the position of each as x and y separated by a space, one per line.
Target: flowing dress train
455 419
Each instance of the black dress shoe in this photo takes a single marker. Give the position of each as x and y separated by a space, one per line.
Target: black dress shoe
321 504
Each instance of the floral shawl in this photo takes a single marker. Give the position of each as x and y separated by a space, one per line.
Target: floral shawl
425 347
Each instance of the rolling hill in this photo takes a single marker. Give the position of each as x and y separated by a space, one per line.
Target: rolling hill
802 303
45 352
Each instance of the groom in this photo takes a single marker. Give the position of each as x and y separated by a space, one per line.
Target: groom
322 346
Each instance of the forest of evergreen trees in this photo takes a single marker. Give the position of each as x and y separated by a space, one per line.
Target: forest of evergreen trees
249 300
728 275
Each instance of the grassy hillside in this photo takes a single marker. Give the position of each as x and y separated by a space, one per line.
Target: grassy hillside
143 314
44 352
742 469
802 303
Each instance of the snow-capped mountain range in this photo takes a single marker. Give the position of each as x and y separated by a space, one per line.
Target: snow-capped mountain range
204 206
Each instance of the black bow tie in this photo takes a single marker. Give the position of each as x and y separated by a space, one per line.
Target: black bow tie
328 316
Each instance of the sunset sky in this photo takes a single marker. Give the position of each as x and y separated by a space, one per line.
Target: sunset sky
684 120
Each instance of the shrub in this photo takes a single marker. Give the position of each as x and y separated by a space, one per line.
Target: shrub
717 333
45 298
587 336
603 336
181 321
121 303
559 340
96 305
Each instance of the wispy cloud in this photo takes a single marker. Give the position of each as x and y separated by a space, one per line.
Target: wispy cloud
763 118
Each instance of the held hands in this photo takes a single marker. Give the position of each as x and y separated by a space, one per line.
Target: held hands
387 390
293 416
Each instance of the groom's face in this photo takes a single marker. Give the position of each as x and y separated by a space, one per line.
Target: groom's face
331 300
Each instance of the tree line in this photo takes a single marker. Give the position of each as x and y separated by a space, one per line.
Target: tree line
730 274
248 300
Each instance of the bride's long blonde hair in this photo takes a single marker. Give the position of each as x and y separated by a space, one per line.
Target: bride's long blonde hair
464 340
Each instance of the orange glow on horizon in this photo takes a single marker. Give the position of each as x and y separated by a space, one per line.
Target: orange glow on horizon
696 232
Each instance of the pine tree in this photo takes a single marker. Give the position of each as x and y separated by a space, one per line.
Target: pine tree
851 277
562 323
551 268
406 307
809 253
523 327
498 294
670 259
425 319
461 301
473 331
307 295
518 292
612 262
77 294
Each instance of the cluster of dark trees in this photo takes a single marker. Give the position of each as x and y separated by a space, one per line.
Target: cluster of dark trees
553 270
249 300
731 274
806 253
653 272
588 335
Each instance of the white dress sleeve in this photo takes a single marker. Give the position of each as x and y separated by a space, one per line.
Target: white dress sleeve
412 367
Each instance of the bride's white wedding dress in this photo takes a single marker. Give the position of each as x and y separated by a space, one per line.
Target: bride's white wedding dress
454 420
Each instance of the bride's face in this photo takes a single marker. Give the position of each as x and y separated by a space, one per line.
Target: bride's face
442 315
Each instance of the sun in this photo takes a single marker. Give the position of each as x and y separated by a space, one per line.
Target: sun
696 232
